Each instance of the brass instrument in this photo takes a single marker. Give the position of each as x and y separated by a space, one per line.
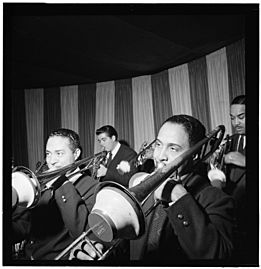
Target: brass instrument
27 186
146 152
97 162
128 221
218 168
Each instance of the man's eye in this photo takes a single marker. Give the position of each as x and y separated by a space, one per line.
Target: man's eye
59 154
47 154
175 149
241 117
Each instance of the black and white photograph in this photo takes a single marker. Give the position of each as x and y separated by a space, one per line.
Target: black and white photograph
124 134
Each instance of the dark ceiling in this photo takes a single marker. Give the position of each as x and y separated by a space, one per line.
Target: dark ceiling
48 48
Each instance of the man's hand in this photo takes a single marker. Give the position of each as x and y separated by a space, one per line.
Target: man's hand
101 172
177 192
236 158
83 251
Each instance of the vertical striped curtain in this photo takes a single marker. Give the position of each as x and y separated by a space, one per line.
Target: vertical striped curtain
161 99
86 103
180 90
143 118
18 125
52 110
236 68
136 107
218 89
34 103
123 111
105 103
199 91
69 107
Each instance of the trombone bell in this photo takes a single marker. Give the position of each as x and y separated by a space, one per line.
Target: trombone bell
121 217
26 189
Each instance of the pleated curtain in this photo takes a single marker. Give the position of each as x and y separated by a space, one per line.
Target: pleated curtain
143 117
180 90
69 107
105 103
219 105
34 102
136 107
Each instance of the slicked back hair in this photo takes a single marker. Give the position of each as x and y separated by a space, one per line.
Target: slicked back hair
70 134
109 130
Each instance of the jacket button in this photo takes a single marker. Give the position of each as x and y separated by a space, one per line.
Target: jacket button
185 223
64 199
180 216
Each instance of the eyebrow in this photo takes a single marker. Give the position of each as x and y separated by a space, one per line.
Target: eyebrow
237 114
170 144
57 150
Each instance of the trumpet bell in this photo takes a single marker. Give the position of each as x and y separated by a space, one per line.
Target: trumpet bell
26 190
216 174
116 213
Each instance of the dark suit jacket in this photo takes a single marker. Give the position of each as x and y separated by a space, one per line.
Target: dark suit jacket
56 221
236 187
199 226
124 153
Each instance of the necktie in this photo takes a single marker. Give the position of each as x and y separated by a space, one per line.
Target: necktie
155 229
241 141
109 158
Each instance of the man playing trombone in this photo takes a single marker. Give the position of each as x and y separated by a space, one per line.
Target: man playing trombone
192 219
61 214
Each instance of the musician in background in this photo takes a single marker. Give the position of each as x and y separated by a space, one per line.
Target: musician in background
235 163
194 221
61 214
236 159
116 152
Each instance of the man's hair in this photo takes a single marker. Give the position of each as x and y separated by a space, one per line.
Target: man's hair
70 134
109 130
194 128
239 100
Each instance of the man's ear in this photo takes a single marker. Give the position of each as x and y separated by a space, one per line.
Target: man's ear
113 137
77 154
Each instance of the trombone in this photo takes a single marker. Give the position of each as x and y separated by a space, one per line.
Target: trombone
27 186
128 222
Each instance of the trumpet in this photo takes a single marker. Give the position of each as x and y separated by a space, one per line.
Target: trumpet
27 186
128 221
216 163
219 170
146 152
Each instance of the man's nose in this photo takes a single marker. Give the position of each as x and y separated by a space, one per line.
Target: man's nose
53 159
236 121
163 155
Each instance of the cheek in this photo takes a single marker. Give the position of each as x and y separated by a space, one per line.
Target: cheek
156 153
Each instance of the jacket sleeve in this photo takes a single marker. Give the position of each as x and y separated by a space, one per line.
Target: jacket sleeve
113 174
204 227
75 208
21 224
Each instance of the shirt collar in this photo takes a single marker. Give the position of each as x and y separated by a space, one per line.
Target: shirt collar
115 150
